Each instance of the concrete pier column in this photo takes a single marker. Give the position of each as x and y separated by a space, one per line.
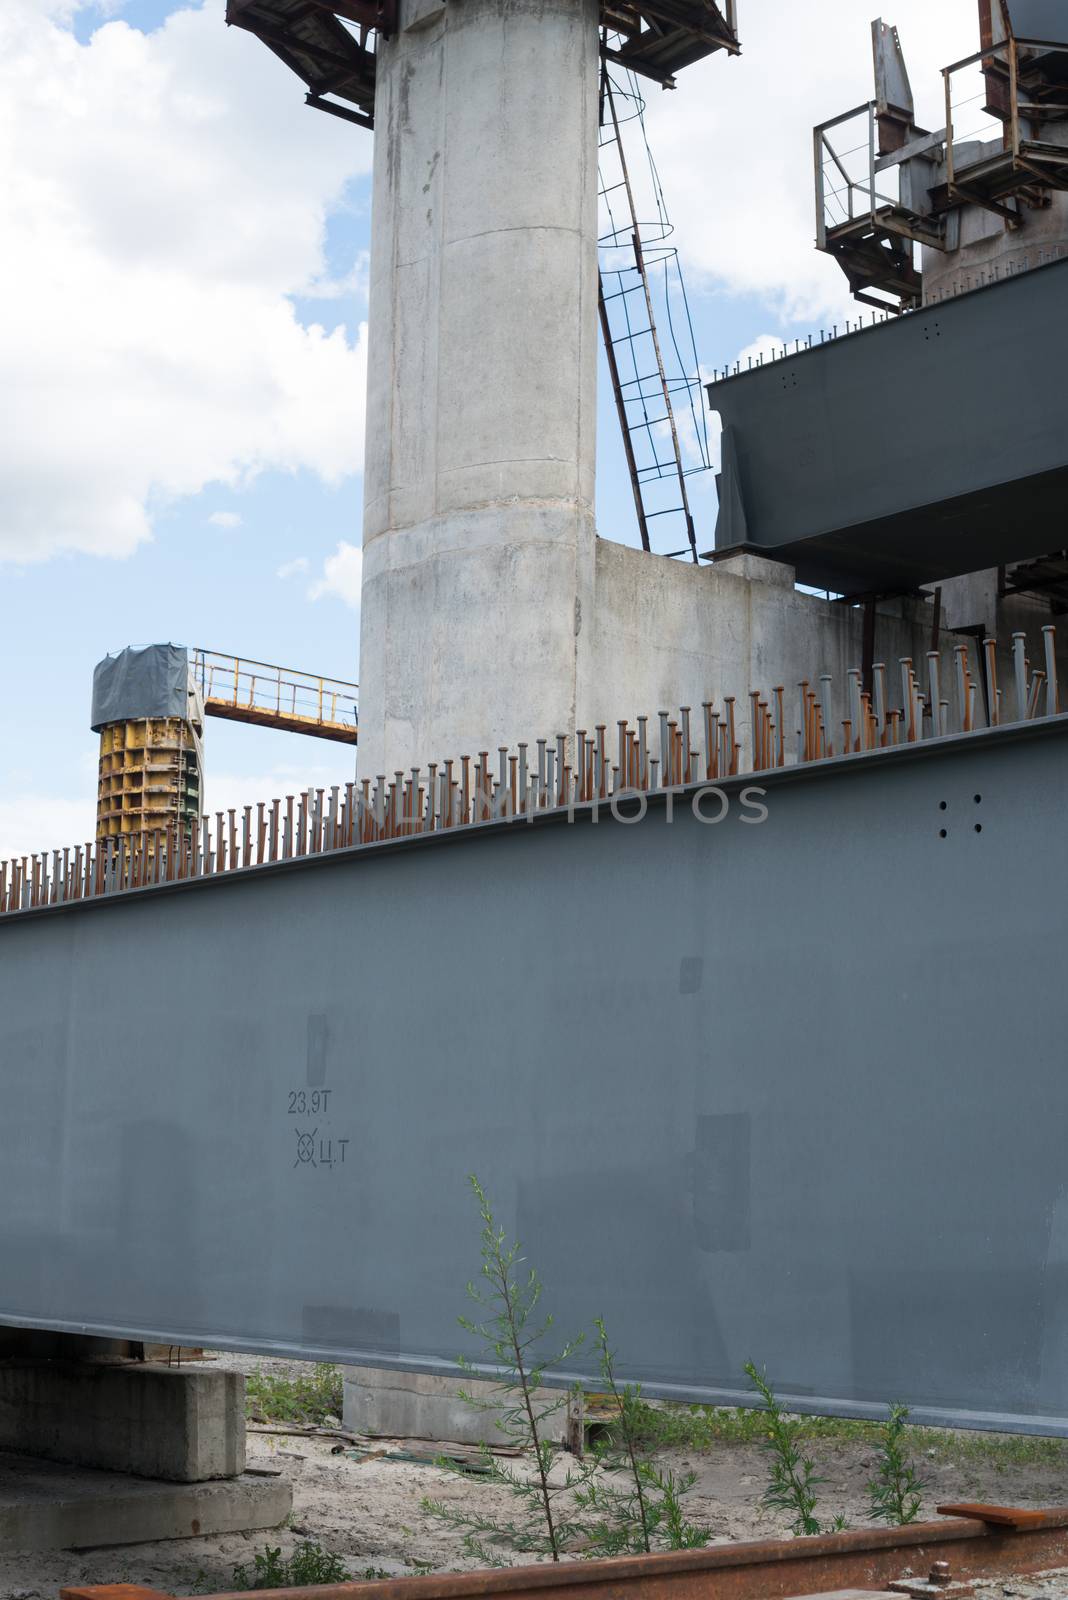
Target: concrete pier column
482 359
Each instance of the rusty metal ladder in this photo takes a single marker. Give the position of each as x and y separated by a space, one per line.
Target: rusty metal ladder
643 382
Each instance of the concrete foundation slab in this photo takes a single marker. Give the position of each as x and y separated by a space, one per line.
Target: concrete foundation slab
44 1506
140 1418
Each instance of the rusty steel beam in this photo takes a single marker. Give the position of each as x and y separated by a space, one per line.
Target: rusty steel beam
119 1591
705 23
662 76
993 1541
313 43
350 65
621 412
378 14
317 103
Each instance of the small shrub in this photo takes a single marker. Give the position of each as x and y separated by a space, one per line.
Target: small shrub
669 1425
896 1492
510 1329
793 1480
648 1514
310 1398
618 1501
309 1564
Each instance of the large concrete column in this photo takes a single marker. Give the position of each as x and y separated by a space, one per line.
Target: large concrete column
478 518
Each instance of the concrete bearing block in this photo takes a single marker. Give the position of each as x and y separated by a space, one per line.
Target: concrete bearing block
419 1405
152 1421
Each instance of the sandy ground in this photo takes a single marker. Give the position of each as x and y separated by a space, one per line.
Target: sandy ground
370 1513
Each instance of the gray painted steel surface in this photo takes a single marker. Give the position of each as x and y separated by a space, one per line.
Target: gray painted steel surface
923 447
1036 19
792 1092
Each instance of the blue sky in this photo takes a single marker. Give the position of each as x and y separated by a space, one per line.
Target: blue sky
142 561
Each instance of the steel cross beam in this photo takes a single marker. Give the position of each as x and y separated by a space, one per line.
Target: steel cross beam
655 38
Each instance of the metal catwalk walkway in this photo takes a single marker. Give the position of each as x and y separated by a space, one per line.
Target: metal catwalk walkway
275 697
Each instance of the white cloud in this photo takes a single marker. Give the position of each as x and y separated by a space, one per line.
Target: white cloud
766 347
341 577
226 790
33 820
225 519
733 143
292 569
352 286
161 196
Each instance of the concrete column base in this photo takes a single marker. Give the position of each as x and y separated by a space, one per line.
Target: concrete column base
152 1421
48 1507
417 1405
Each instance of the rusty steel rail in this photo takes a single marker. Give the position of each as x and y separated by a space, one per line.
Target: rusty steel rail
990 1542
562 773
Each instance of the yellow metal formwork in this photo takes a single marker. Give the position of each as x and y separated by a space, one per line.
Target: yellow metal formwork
149 778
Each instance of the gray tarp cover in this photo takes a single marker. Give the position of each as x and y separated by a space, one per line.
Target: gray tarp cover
152 682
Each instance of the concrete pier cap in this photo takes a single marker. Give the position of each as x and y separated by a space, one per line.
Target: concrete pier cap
482 359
